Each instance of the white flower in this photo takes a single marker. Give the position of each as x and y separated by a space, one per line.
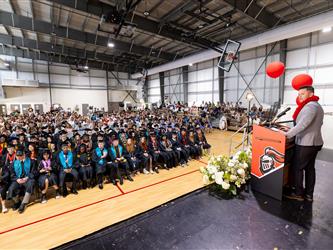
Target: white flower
219 178
211 169
241 172
205 179
225 185
233 177
245 165
231 164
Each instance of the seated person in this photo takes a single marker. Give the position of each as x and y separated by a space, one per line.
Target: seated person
99 157
22 175
116 152
201 139
47 175
83 164
155 150
176 145
144 156
66 168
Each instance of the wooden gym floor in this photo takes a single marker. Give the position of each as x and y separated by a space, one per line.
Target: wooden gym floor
43 226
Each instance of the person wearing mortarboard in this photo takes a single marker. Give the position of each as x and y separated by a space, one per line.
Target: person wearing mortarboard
47 168
22 172
82 162
117 156
66 168
156 151
201 139
99 157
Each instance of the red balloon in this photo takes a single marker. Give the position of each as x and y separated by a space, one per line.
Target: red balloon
275 69
301 80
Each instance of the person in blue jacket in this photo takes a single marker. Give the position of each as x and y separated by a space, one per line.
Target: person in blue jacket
22 174
117 156
99 157
66 169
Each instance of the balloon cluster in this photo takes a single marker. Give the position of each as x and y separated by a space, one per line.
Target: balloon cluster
276 69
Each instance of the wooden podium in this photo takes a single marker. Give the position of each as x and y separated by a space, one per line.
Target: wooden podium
271 158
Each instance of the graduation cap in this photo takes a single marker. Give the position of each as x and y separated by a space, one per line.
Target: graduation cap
63 132
114 137
152 134
13 138
174 132
20 152
64 144
10 145
47 151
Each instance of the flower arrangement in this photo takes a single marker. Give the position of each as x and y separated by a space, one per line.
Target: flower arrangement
228 174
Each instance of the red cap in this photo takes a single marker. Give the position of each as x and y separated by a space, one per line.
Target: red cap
301 81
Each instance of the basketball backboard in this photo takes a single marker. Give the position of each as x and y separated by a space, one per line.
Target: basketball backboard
228 55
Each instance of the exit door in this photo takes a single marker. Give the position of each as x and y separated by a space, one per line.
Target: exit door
39 108
85 109
25 108
3 109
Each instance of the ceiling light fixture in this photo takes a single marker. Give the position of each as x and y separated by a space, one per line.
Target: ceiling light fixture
6 64
190 64
110 44
327 29
146 13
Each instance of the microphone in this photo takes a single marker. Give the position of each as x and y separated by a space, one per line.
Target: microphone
280 115
283 113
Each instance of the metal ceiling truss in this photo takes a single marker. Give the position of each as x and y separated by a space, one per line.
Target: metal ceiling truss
61 50
100 8
26 23
252 10
51 57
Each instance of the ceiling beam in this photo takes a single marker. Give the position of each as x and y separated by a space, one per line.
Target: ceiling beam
47 28
254 11
43 56
98 8
64 51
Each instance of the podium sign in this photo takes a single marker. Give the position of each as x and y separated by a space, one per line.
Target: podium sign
270 161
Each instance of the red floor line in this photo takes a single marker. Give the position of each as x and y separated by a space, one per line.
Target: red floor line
202 162
93 203
121 191
56 215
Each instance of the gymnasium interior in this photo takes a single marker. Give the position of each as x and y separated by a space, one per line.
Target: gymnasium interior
199 108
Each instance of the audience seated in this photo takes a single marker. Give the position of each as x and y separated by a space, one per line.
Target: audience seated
60 149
